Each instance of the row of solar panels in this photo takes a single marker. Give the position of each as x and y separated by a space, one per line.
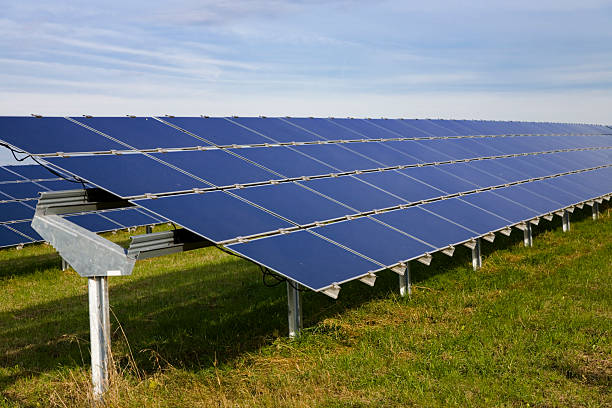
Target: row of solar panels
105 134
19 189
186 170
356 237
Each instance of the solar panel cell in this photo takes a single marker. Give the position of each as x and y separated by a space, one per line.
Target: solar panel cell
128 175
306 258
52 135
389 247
216 215
219 131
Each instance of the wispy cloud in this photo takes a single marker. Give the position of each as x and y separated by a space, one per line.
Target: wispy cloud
332 57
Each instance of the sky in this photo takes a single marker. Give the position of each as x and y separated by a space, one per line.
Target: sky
540 60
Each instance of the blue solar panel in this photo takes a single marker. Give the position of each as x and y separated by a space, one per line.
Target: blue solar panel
26 229
426 226
94 222
141 133
218 167
337 157
389 247
6 175
128 175
365 129
382 153
325 128
496 204
401 185
17 210
439 179
363 243
354 193
219 131
277 129
428 127
31 172
294 202
535 202
564 198
9 237
52 135
285 161
400 127
502 169
467 215
20 190
468 173
306 258
215 215
130 217
421 152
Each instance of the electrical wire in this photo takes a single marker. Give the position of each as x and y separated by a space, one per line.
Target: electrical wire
266 273
49 169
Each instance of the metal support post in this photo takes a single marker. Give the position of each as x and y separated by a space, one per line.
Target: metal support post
476 256
566 221
595 210
527 236
294 300
99 327
149 229
65 265
405 283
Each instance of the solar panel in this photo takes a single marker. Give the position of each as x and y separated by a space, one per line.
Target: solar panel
51 135
128 175
306 258
294 202
221 215
9 237
18 199
389 247
354 193
141 133
427 226
352 206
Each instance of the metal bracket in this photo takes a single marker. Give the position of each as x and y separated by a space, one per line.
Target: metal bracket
332 291
449 250
75 201
506 231
88 253
400 269
164 243
490 237
369 279
425 259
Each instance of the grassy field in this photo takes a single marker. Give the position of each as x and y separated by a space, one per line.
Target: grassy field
531 328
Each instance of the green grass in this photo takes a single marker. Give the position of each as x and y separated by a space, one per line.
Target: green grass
531 328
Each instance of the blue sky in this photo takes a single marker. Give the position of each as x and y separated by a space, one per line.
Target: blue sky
521 60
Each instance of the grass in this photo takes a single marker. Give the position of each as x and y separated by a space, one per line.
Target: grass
531 328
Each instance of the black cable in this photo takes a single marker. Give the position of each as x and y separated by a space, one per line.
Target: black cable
52 171
265 273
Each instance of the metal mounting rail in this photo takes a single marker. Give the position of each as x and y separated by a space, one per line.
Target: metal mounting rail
164 243
79 200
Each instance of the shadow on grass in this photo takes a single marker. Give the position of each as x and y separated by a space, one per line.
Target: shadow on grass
195 318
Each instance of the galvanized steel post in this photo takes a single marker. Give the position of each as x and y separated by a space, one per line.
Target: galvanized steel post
405 283
476 256
294 300
566 221
595 210
99 328
527 236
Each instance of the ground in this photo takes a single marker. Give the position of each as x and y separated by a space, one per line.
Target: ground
531 328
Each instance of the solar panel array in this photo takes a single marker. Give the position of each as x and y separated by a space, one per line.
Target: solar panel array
325 201
19 190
